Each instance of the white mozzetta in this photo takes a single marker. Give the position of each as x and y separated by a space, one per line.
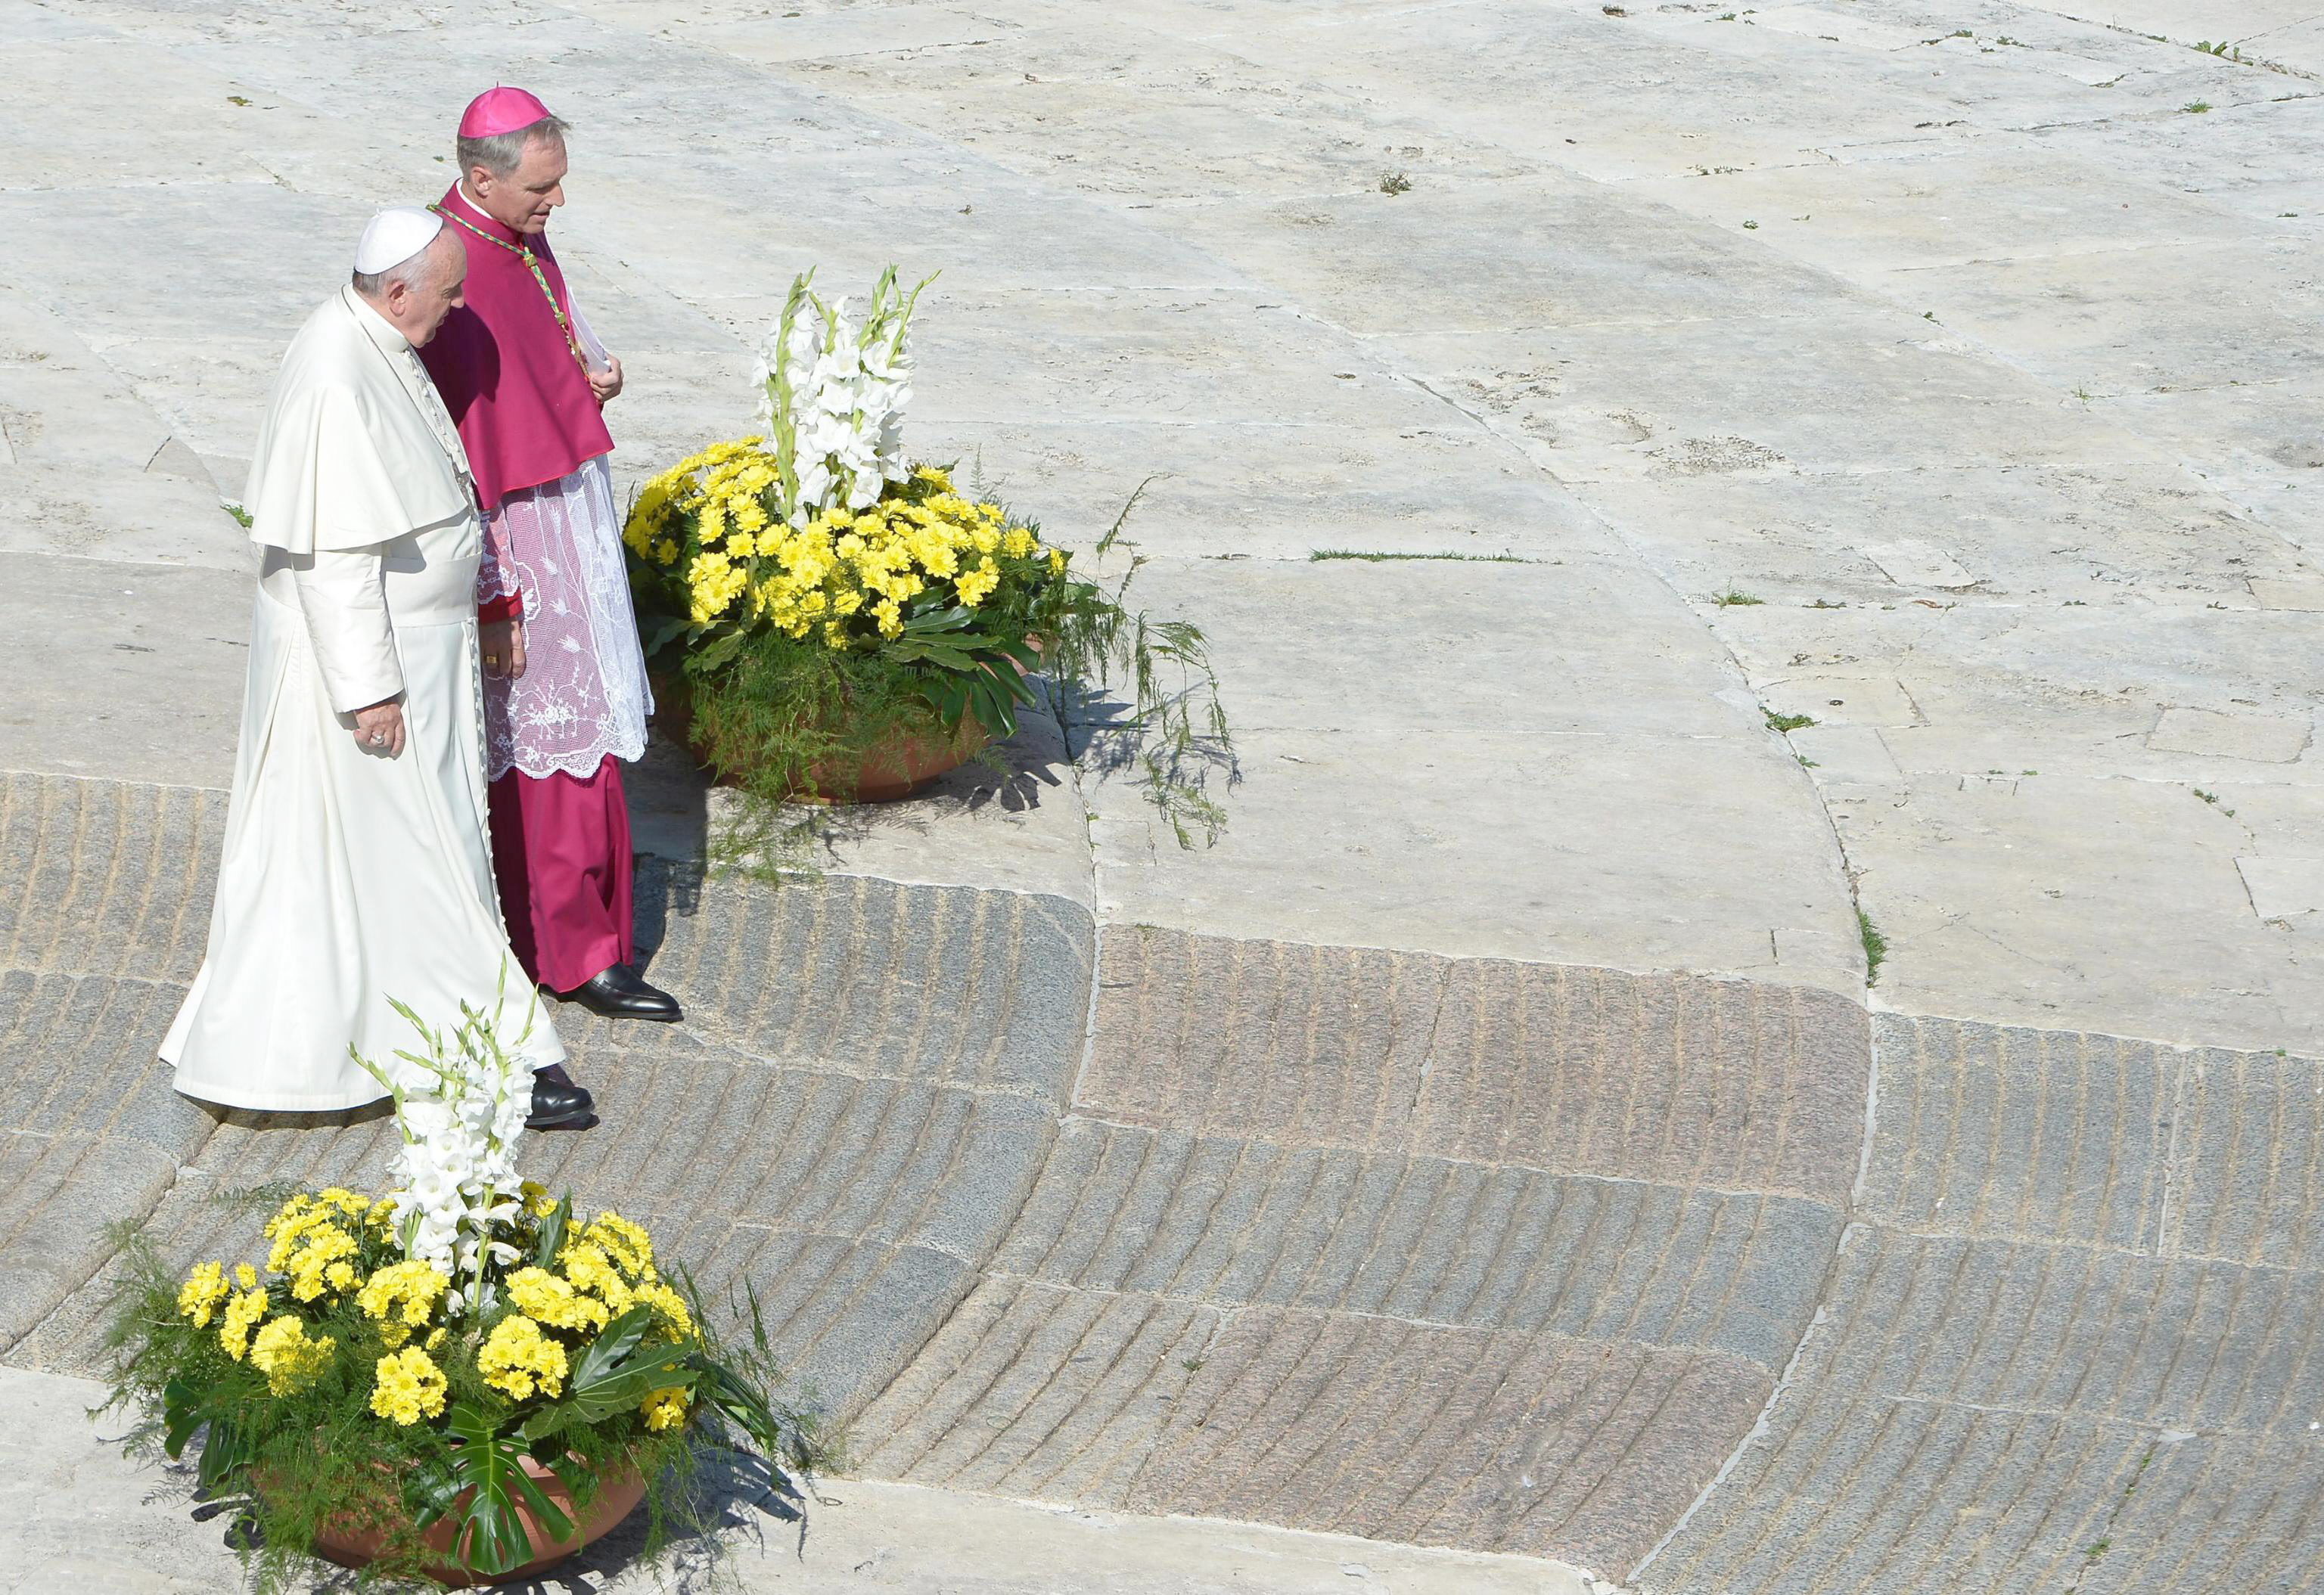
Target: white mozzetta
352 407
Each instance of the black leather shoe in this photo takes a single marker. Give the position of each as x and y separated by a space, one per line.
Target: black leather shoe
557 1100
619 993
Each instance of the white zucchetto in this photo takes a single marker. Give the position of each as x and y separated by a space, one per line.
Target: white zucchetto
394 237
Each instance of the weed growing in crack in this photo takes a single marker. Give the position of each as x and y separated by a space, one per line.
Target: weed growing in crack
1875 947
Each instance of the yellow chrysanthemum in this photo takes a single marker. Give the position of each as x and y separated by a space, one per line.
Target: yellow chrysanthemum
975 585
401 1295
319 1260
543 1295
627 1244
245 1276
202 1294
407 1386
517 1359
288 1356
1017 542
586 1266
664 1409
670 1307
244 1310
589 1270
312 1246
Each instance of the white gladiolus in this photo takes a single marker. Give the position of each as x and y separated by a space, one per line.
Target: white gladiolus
832 397
460 1108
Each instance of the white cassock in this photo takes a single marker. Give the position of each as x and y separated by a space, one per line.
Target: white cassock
349 877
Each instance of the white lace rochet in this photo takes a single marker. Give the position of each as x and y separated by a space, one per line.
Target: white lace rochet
582 694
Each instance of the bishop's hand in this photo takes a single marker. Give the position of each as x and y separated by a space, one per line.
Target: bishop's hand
606 383
378 729
502 648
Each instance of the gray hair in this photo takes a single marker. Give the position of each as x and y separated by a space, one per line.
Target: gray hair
416 273
499 153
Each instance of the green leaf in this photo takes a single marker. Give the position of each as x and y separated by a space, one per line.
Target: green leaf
616 1373
670 629
947 655
949 693
1014 684
998 716
740 1401
181 1414
491 1537
615 1341
551 1238
433 1488
230 1446
227 1449
718 652
953 618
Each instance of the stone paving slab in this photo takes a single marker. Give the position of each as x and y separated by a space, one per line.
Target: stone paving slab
149 687
1428 1433
63 1195
1434 1250
2071 1341
1725 1086
110 878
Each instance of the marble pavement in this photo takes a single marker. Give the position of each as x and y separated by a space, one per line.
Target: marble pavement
1684 498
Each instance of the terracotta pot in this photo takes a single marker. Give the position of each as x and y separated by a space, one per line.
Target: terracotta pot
356 1544
896 768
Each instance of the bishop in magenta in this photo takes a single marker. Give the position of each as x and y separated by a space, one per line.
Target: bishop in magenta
566 699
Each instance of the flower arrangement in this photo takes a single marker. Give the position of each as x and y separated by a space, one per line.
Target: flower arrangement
921 575
395 1363
820 595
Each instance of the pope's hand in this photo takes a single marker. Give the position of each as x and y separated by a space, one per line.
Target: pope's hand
503 647
380 728
606 383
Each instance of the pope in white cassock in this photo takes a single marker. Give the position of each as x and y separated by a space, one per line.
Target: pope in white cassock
355 866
